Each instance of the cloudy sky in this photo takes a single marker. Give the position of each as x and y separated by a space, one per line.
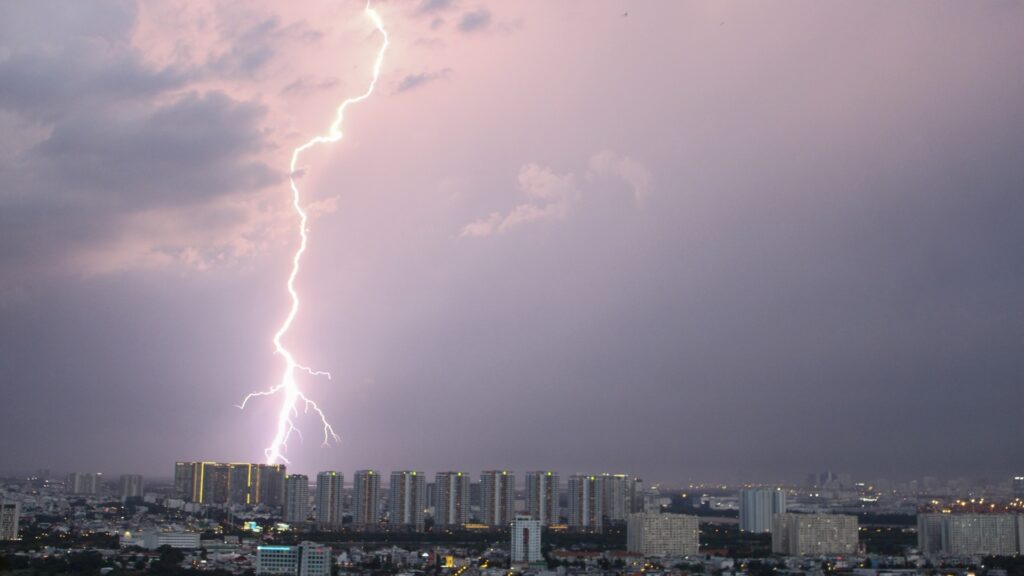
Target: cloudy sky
689 240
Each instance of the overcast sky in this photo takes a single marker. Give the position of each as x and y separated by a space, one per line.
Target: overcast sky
688 240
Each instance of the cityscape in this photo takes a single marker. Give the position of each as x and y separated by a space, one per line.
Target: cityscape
511 288
241 518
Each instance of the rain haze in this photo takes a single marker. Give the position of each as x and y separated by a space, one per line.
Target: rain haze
687 240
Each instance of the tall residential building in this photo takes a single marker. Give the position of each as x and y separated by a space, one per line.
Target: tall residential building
497 497
525 544
584 509
814 534
618 496
408 499
758 506
451 502
542 497
131 486
85 483
366 505
969 534
329 498
296 498
654 534
9 512
306 559
929 533
222 483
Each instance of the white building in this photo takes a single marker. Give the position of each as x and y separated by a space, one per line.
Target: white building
526 540
970 534
758 506
296 498
9 512
153 539
366 505
131 486
82 483
542 497
315 559
451 501
408 499
306 559
654 534
329 498
815 534
585 503
497 497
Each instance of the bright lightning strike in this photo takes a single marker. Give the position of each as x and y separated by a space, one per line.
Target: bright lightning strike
288 385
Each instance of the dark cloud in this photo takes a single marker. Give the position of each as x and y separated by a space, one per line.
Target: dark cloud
413 81
434 6
476 20
195 148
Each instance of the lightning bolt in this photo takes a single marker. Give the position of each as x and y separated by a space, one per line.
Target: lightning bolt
288 386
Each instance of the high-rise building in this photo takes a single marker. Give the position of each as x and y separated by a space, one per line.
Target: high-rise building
758 506
9 512
296 498
221 483
618 496
1018 486
85 483
451 502
408 499
542 497
655 534
814 534
969 534
131 486
366 505
306 559
929 533
585 503
329 498
526 540
497 497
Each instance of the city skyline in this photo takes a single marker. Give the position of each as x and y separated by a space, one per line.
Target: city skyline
709 241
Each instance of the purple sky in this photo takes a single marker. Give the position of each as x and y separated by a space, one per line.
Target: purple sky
707 240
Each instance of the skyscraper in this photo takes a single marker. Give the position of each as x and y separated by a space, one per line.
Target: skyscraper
366 506
451 503
542 497
329 502
1018 486
131 486
585 503
655 534
9 512
618 495
758 506
85 483
525 545
296 498
222 483
497 497
408 499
